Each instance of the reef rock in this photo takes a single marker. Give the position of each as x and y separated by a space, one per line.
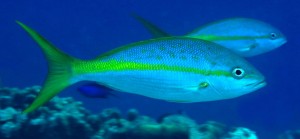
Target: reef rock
65 118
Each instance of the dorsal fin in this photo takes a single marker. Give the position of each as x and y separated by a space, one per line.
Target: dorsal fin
155 31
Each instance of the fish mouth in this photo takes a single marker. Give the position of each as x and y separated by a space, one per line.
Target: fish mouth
282 41
258 84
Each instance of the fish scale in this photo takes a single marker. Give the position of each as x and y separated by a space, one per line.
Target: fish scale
173 53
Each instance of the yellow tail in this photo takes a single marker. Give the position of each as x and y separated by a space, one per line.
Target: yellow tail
59 70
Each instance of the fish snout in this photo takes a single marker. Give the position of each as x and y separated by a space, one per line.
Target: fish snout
257 84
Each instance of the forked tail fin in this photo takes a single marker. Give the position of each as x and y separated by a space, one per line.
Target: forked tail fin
59 70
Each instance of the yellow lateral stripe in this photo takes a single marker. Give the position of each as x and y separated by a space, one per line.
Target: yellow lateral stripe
114 65
226 38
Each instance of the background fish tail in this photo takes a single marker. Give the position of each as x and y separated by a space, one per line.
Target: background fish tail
59 70
155 31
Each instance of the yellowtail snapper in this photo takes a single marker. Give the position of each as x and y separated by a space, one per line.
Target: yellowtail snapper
246 37
176 69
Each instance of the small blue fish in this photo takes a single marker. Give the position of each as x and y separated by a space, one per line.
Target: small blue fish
94 90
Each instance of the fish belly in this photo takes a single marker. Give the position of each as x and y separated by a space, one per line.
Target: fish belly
159 84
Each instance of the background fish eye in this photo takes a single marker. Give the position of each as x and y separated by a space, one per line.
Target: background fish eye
273 36
238 73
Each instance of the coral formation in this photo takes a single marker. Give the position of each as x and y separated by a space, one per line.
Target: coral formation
290 134
60 119
65 118
241 133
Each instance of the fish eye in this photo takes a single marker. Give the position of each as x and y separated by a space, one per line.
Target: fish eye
238 73
273 36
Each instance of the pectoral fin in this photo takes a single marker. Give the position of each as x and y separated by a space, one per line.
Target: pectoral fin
248 48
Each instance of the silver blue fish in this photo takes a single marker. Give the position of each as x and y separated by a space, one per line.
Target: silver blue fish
176 69
246 37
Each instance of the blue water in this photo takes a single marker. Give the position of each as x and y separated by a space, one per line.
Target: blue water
88 28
